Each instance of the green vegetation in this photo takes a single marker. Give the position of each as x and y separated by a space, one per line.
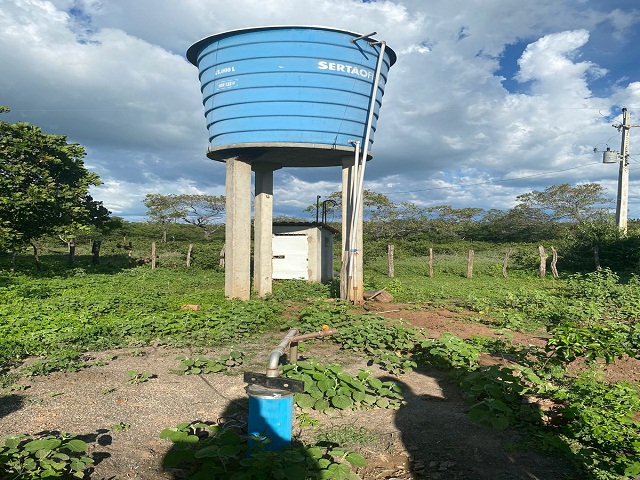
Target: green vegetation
44 187
60 317
49 456
106 297
135 377
212 452
199 364
591 318
58 313
328 387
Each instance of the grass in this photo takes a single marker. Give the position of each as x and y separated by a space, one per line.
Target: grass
60 312
66 315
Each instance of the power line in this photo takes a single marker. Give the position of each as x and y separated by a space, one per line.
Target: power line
495 181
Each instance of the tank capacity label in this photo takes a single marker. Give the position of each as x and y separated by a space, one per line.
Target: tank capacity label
342 67
221 71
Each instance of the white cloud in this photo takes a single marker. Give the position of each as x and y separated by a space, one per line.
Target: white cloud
112 75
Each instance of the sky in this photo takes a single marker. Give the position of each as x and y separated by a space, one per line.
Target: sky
489 99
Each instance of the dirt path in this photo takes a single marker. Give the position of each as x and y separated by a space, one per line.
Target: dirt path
430 437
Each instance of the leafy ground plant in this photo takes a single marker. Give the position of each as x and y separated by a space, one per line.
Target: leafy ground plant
50 456
200 364
214 452
135 377
328 387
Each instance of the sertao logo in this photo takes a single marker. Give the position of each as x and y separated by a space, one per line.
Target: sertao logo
342 67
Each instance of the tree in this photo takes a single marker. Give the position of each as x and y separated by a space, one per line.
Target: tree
199 210
563 202
44 186
452 223
161 209
202 211
520 224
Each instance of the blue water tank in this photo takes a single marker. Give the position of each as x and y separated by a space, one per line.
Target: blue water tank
291 95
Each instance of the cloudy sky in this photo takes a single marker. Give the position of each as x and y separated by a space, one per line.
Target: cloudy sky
489 99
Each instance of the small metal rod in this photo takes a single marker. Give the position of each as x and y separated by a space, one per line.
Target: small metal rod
293 346
354 40
306 336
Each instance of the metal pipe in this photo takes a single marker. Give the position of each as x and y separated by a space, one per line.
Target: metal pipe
350 248
359 184
306 336
276 353
354 40
376 82
324 209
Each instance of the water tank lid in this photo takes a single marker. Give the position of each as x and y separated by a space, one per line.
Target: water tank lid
194 50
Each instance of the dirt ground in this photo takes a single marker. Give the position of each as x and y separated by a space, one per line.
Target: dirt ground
428 438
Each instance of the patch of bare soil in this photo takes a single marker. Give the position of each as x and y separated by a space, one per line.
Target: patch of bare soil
428 438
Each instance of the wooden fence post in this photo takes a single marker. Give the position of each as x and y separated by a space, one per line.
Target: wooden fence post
95 251
221 263
543 261
470 264
129 249
554 262
153 255
390 251
431 263
505 262
189 255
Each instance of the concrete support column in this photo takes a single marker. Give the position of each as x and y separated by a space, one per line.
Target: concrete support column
237 275
351 289
263 229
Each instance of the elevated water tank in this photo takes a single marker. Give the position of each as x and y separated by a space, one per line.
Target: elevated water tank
291 95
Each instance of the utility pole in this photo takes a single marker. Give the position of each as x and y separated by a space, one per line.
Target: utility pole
622 202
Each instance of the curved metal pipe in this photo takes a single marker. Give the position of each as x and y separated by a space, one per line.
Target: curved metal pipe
276 353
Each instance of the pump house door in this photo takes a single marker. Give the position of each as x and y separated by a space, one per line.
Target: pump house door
290 257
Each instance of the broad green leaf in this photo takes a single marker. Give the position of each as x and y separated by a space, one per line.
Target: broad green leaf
375 383
304 400
477 414
42 444
77 445
295 472
342 402
314 452
209 451
325 385
355 459
499 422
370 399
358 396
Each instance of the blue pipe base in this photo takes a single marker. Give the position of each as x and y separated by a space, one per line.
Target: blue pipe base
270 416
